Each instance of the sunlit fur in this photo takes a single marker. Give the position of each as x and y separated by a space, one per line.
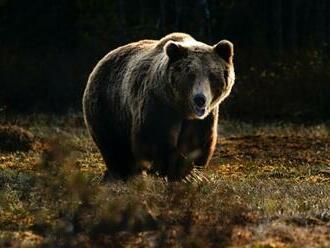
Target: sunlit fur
138 104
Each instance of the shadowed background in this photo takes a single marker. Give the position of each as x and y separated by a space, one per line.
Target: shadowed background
48 48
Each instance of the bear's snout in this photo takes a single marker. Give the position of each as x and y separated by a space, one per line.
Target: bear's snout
199 104
200 100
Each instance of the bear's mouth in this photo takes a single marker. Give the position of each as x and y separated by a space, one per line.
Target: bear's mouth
199 111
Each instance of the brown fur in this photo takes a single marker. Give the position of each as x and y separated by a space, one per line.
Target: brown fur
138 104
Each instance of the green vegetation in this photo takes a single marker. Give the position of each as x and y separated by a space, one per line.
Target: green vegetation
267 186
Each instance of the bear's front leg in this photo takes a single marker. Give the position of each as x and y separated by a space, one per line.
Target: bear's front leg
161 157
155 139
198 139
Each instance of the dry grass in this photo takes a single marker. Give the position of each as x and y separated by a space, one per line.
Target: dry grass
267 186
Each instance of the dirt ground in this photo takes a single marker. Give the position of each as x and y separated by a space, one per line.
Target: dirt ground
268 185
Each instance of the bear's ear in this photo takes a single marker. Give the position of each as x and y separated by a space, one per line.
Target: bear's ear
225 49
174 50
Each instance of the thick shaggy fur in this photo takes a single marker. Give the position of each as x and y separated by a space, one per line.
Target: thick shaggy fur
138 104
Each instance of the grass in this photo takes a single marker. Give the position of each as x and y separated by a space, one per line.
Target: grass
268 185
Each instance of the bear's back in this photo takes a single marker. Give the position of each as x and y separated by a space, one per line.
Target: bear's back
133 60
177 37
120 56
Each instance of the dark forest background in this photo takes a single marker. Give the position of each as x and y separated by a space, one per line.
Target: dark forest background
48 48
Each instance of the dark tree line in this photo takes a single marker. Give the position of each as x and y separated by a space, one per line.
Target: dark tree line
47 48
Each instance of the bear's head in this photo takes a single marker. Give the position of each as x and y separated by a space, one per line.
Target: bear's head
200 76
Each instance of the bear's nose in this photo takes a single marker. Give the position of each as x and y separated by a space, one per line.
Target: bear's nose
200 100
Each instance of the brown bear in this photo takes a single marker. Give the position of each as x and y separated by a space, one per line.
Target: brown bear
153 104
